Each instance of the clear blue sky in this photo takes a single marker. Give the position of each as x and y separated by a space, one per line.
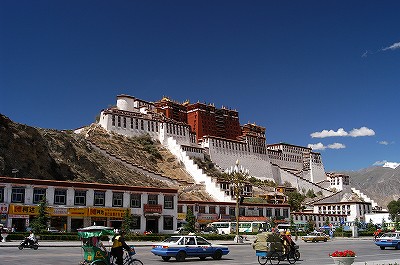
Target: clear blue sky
295 67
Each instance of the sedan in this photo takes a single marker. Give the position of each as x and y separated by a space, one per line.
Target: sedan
391 239
315 237
182 247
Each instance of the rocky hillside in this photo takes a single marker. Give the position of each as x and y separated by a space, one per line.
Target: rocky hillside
63 155
382 184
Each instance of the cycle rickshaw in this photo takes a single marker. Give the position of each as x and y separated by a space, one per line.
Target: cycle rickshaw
95 253
271 247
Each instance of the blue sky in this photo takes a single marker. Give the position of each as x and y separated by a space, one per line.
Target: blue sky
320 73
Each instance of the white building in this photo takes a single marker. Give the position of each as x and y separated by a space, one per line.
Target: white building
73 205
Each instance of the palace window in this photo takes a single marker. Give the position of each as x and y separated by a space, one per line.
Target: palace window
136 200
113 120
168 223
152 199
119 121
1 194
141 124
131 123
80 197
277 212
169 202
38 194
137 124
286 213
99 198
60 196
18 195
211 209
124 122
118 199
135 222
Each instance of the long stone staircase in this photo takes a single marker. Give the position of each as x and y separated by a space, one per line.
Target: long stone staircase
198 175
365 198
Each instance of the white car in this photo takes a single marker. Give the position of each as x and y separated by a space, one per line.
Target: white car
182 247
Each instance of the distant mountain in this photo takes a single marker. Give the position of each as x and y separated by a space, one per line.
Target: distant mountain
382 184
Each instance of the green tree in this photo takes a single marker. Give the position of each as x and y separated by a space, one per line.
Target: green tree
40 222
393 209
357 223
383 224
127 222
311 194
295 201
310 225
190 221
326 222
371 226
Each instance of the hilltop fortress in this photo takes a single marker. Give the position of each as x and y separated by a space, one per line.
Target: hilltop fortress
193 130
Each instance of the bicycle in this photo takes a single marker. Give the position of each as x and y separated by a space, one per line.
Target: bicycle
128 258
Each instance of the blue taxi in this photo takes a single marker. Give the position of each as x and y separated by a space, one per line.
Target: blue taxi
181 247
390 239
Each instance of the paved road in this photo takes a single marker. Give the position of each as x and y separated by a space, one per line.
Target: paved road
311 254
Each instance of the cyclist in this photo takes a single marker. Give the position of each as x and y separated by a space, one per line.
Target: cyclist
118 246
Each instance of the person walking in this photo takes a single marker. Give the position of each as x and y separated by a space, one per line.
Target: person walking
118 246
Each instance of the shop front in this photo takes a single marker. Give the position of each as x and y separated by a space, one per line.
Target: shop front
152 213
3 214
106 216
19 216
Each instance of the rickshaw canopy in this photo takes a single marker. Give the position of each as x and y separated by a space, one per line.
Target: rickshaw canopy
95 231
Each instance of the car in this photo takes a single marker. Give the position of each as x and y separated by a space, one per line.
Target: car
53 230
315 237
209 230
390 239
181 247
181 230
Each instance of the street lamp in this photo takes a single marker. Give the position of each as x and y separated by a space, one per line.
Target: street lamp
237 176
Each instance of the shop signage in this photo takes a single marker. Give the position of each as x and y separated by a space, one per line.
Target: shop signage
3 208
152 208
23 209
23 216
106 212
76 212
181 216
206 217
58 211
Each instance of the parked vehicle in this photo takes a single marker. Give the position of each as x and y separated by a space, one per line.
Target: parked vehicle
181 247
391 239
315 237
27 244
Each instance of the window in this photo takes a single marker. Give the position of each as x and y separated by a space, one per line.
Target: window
152 199
135 222
202 209
118 199
211 209
189 207
99 198
38 195
80 197
286 213
60 197
277 212
169 202
18 195
268 212
136 200
1 194
222 210
168 223
231 211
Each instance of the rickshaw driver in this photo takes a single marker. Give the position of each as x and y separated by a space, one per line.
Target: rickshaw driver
117 249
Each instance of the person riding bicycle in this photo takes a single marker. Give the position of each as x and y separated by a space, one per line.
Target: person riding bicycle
118 246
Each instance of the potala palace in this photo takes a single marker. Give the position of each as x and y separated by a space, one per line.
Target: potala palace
191 130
